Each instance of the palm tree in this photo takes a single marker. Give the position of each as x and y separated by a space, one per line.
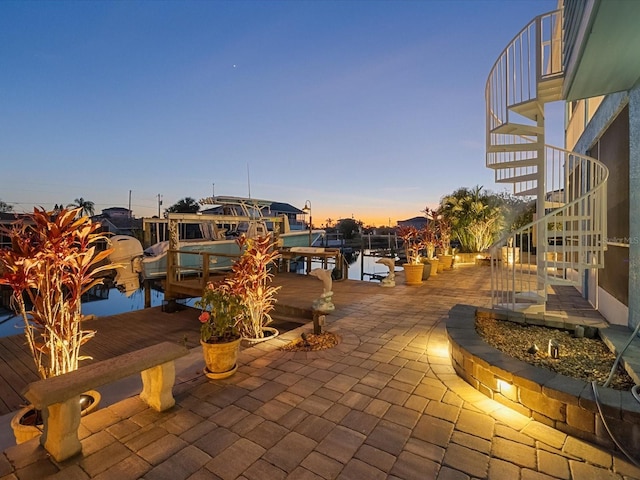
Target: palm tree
476 217
184 205
86 207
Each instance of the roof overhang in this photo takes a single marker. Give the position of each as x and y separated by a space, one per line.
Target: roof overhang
606 55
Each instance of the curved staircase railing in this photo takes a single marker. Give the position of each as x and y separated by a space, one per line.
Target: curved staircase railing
568 236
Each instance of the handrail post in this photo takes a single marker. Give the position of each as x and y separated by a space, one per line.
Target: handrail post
170 272
206 258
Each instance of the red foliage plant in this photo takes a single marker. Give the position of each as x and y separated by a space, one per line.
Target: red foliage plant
52 262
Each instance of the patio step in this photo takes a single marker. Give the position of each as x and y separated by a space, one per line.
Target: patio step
616 337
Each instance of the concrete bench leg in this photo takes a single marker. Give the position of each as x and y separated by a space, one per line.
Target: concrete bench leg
60 433
157 386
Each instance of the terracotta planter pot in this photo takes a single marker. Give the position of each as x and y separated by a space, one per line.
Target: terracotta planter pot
426 270
447 261
27 422
413 273
434 266
440 265
220 359
269 333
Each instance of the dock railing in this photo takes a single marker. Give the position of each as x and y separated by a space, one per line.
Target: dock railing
325 256
190 281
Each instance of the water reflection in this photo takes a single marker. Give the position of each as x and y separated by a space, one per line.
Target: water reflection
104 300
362 265
10 323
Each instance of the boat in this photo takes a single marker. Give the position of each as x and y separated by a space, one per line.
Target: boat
194 235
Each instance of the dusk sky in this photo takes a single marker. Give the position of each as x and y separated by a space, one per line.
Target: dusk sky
370 109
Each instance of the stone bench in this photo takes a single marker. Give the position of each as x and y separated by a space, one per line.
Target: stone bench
59 397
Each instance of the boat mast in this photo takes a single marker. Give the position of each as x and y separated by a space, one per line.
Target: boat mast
248 181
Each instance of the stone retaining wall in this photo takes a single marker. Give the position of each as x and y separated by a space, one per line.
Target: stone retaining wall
561 402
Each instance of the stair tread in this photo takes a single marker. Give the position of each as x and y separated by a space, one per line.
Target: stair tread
530 295
522 162
513 128
514 147
529 109
522 307
529 177
531 192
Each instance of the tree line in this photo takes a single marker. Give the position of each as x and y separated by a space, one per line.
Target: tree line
478 217
87 207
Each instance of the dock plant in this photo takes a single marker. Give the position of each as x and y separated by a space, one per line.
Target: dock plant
429 233
443 231
53 261
251 280
222 311
412 243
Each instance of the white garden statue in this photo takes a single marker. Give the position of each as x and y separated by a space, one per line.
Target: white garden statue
324 303
389 280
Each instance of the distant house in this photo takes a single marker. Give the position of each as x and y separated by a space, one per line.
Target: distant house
295 216
118 221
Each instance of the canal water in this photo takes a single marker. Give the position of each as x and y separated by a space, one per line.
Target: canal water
111 301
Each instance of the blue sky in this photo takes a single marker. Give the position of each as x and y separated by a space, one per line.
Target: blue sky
370 109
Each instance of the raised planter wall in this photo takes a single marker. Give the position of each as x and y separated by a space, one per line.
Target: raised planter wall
564 403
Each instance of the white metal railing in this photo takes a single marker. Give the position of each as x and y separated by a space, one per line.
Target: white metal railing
534 55
558 247
569 235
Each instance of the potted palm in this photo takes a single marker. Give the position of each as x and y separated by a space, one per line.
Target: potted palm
412 243
251 280
222 311
53 261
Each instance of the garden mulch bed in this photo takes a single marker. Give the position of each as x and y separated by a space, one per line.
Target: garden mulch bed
582 358
308 342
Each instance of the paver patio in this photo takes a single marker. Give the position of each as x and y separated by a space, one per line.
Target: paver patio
385 403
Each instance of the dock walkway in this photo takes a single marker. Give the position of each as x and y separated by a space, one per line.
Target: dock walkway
126 332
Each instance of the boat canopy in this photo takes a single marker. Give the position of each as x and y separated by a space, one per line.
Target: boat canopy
237 201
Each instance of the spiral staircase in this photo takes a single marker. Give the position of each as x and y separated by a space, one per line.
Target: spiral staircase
568 235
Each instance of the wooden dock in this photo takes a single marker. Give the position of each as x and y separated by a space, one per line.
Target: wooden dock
126 332
115 335
178 284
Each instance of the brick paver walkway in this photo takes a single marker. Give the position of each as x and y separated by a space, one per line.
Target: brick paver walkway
385 403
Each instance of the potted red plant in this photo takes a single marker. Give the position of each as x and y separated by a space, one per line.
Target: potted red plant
444 234
430 241
53 261
222 311
251 280
412 243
